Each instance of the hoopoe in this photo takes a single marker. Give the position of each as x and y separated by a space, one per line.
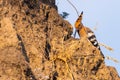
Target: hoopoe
86 32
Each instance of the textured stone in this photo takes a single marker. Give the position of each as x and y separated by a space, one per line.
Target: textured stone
36 44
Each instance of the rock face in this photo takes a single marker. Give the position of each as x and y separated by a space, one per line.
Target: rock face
36 44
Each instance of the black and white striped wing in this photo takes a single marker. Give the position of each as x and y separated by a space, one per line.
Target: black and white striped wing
93 40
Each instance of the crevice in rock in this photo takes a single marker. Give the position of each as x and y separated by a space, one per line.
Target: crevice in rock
47 50
32 4
29 74
95 68
54 76
23 48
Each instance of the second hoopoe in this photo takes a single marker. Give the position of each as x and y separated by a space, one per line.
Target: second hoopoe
86 32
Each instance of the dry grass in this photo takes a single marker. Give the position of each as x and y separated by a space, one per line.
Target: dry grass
110 49
67 68
65 55
106 46
73 7
113 59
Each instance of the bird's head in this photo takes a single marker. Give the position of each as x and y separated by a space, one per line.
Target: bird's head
78 23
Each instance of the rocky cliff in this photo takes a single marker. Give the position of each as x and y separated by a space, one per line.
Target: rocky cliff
36 44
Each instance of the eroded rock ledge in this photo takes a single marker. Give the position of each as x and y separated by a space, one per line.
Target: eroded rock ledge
36 44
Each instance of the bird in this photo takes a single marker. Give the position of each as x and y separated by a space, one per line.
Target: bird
86 32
